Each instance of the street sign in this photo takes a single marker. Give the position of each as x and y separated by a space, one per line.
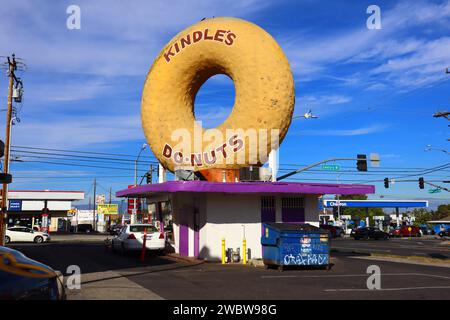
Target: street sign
330 167
15 205
437 190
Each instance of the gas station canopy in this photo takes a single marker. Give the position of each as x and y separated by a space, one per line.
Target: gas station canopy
376 203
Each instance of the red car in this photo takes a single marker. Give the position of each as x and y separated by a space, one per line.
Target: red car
404 231
334 231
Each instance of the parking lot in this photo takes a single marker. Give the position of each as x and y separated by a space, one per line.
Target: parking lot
106 275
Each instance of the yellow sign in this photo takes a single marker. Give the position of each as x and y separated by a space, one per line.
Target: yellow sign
409 229
108 208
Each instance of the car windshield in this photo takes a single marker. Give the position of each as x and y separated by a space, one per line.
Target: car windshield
141 228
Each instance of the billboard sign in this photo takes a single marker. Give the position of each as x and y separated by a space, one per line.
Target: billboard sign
108 209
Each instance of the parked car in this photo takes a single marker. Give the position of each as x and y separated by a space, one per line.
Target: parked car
369 233
403 231
85 227
334 231
24 279
24 234
115 229
426 230
444 233
131 238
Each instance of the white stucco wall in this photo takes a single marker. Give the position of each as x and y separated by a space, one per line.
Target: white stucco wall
312 210
226 215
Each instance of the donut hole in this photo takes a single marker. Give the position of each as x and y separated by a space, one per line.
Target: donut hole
214 100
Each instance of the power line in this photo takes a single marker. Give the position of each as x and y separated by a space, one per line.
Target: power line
78 156
80 165
78 151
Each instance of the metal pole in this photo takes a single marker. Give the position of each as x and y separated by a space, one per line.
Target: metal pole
3 215
94 224
313 165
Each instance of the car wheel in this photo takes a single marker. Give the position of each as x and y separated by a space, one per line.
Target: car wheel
7 239
38 239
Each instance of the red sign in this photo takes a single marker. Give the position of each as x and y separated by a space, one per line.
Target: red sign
133 204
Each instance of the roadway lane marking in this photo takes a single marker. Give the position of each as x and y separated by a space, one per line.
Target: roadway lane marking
388 289
352 248
357 275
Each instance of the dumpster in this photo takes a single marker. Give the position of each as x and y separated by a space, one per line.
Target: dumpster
288 244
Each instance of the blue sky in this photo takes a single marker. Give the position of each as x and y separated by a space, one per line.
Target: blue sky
373 90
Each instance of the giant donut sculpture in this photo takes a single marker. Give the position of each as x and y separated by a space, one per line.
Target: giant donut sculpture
264 92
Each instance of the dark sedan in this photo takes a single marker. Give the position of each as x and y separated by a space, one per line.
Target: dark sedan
369 233
22 278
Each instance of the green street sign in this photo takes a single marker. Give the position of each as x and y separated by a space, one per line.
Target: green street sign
331 167
437 190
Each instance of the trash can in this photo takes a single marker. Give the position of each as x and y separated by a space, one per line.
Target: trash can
287 244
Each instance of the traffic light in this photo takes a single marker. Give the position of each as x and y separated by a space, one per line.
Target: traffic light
421 183
361 164
148 176
386 183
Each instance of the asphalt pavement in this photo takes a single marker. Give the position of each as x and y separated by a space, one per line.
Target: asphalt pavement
110 276
422 247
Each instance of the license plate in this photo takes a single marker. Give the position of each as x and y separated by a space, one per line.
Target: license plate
148 237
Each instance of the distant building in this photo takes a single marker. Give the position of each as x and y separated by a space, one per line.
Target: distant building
25 207
440 225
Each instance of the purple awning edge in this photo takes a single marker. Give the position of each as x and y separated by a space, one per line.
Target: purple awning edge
247 187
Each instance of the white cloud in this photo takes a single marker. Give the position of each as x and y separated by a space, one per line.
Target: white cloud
76 133
344 132
401 43
119 38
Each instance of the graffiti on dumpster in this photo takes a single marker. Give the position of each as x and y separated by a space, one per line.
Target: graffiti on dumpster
305 260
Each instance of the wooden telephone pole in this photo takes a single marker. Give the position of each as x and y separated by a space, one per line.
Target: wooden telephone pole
3 216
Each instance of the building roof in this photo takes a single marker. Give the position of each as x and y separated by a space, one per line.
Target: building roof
443 220
45 195
246 187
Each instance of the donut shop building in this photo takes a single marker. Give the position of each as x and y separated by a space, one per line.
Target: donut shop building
202 213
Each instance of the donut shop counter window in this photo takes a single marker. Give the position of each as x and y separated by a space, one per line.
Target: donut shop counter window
166 210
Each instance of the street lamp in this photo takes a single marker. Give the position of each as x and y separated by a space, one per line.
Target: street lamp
307 115
430 148
136 162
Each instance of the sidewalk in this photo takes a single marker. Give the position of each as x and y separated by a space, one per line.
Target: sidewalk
110 285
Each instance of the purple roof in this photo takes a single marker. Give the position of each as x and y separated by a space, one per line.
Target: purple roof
246 187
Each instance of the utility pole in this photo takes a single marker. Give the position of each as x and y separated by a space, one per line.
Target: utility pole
110 195
94 221
11 68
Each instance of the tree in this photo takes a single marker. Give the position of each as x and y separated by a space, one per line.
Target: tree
422 216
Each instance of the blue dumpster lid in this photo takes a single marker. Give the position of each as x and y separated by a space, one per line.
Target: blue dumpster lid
295 227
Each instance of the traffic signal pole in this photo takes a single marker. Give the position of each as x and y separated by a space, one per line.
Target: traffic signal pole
3 215
319 163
